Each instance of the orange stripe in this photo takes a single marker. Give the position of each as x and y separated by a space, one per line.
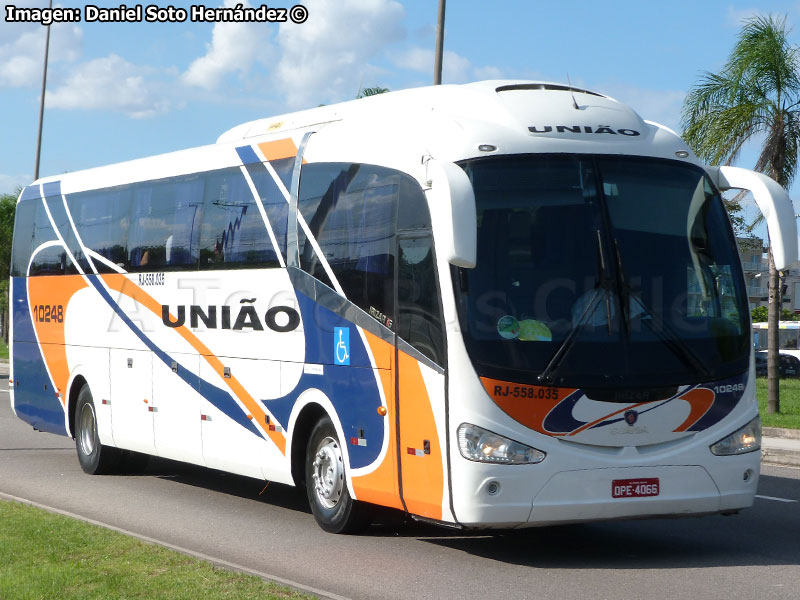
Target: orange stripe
526 404
380 486
123 285
50 292
423 476
278 149
700 399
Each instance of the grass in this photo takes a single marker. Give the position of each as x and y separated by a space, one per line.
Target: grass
789 417
43 555
3 349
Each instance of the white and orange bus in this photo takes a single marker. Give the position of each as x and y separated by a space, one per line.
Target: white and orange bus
500 304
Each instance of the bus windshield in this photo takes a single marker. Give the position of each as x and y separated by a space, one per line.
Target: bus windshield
601 272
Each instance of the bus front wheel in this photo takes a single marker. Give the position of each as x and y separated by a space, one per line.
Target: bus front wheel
326 483
94 457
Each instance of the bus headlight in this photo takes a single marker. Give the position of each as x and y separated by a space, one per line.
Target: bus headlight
481 445
744 440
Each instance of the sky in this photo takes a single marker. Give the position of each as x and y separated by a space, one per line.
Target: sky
118 91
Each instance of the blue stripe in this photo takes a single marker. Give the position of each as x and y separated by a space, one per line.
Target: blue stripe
216 396
353 390
30 192
52 189
247 154
34 393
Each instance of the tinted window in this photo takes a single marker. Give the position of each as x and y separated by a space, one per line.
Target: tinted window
165 221
412 209
275 203
233 233
56 206
419 320
32 229
627 263
103 218
350 211
284 168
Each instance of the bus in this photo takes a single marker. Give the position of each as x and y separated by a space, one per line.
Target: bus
493 305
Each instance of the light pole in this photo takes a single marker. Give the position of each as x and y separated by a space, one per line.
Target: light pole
41 101
437 61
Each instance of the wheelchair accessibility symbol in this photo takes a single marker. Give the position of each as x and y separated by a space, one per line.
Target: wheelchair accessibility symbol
341 345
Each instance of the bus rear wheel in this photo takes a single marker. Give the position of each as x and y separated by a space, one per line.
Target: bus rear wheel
326 483
94 457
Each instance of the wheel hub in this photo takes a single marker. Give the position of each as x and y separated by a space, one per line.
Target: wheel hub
86 435
328 473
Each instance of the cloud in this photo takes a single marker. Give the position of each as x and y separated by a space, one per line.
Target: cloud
10 183
234 47
327 58
22 50
455 68
111 83
661 106
737 16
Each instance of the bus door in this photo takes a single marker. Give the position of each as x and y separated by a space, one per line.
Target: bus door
132 406
420 400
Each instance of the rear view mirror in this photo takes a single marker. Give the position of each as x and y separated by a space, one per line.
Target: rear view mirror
773 202
452 204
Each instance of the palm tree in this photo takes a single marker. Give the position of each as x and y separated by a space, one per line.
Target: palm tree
755 96
371 91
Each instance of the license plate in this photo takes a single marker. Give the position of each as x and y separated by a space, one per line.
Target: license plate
635 488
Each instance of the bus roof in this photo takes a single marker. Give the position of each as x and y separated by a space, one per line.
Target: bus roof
447 122
514 116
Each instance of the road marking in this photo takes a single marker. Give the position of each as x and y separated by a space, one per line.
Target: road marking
774 498
200 555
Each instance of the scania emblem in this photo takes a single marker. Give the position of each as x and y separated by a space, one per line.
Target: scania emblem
631 416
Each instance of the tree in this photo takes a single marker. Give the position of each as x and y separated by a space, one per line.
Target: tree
759 314
757 94
8 206
371 91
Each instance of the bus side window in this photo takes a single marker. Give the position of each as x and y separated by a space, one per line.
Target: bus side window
32 229
233 234
102 218
350 211
165 222
24 237
419 318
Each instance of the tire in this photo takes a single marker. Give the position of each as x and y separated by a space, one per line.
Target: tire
95 458
326 483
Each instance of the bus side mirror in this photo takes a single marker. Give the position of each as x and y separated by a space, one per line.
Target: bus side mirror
452 204
773 202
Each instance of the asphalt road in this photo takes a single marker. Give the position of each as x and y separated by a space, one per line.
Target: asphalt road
754 554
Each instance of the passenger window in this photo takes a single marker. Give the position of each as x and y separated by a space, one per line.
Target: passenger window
233 234
102 218
412 209
350 211
24 235
284 168
165 222
419 318
56 206
32 229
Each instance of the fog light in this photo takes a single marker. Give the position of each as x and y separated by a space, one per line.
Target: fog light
743 440
482 445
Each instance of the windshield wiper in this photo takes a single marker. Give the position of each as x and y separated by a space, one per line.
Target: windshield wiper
604 284
659 326
672 340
